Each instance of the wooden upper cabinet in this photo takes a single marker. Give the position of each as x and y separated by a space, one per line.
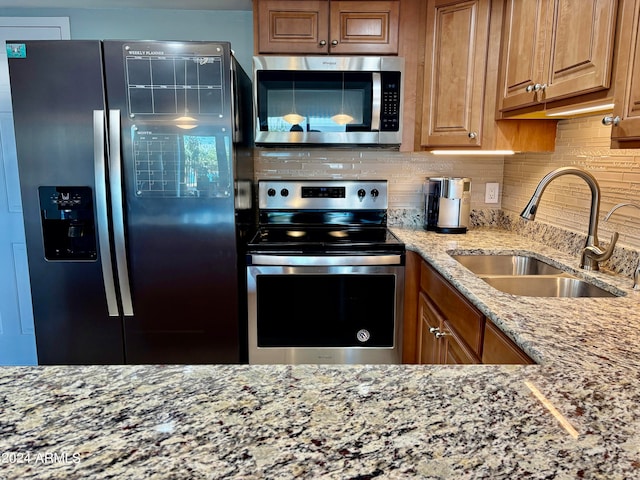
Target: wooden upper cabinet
625 132
455 64
555 49
292 26
358 27
581 54
323 26
461 78
524 40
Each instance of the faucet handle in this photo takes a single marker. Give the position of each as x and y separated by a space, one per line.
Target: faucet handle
593 254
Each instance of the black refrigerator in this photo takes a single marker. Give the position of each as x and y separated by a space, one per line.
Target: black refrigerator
136 177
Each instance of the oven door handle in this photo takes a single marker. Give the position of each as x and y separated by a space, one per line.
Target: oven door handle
324 260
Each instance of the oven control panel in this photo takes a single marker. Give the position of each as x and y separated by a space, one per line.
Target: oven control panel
323 194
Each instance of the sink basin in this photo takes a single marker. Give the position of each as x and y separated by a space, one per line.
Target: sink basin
546 286
528 276
506 265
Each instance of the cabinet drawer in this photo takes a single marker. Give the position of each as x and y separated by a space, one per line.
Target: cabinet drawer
464 318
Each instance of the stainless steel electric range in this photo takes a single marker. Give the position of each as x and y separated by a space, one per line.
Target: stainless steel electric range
325 277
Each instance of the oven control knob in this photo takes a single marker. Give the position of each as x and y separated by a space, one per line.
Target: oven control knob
361 193
271 192
363 335
284 192
374 192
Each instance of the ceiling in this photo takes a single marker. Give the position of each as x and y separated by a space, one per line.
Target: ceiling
118 4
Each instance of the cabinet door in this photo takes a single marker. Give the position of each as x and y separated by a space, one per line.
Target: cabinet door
455 63
454 351
429 344
581 54
292 26
628 107
526 36
460 314
362 27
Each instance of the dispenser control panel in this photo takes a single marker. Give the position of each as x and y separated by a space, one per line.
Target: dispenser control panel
68 223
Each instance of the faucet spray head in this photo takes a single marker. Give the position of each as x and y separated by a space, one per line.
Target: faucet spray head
529 212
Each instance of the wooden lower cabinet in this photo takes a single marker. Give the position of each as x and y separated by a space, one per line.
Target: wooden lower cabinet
499 349
443 327
429 323
455 352
439 342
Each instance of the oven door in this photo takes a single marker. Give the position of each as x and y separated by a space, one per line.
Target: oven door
315 310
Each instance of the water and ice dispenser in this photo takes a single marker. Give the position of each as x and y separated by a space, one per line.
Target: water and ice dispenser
68 223
447 204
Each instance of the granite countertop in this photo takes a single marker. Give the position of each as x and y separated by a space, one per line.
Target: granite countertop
571 416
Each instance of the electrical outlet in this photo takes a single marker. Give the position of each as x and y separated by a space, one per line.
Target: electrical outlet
491 193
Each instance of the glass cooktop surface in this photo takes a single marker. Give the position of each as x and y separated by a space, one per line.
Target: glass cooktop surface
325 238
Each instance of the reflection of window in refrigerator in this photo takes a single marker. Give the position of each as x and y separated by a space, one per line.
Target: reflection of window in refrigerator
200 165
226 175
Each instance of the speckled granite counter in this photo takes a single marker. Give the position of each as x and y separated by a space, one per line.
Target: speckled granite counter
572 416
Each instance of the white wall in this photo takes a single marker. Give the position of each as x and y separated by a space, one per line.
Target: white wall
155 24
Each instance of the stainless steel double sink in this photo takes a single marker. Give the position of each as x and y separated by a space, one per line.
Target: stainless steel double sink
526 275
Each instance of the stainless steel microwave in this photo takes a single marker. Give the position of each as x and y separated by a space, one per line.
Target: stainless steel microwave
328 100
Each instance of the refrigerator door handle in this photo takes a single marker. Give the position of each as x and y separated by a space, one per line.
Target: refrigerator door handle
102 217
117 211
235 105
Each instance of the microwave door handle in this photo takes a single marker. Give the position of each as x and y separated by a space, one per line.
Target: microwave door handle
376 103
102 219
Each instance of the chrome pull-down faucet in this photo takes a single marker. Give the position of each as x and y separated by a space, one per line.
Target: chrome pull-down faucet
636 274
591 253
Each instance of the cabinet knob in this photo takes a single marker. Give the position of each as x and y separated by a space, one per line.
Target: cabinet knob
536 87
334 42
323 43
611 120
473 135
436 331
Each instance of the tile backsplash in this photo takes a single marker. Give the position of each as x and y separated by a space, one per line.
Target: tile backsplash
564 208
583 143
405 171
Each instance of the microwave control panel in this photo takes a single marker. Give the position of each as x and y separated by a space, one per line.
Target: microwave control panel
390 114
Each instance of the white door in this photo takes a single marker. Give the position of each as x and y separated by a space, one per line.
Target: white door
17 339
